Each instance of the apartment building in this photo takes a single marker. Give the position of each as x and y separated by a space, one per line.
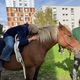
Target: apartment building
67 15
19 11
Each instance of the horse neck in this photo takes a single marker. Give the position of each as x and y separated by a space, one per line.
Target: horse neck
48 37
49 44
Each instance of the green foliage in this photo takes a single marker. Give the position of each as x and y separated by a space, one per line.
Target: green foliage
39 18
43 18
56 66
1 26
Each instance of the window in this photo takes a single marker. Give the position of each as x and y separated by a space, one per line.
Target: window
72 14
72 26
66 19
21 15
9 18
25 4
26 10
26 14
63 14
29 14
12 23
66 14
14 3
20 4
72 22
20 0
15 14
54 9
7 9
15 19
30 9
12 14
15 9
21 19
62 8
26 18
72 10
54 15
20 9
16 23
72 19
63 19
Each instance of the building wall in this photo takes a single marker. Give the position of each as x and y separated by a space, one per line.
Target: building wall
67 15
19 12
19 3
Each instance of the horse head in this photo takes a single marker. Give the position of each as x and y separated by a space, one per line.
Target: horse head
66 39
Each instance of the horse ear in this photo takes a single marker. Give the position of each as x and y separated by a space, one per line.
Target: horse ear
60 25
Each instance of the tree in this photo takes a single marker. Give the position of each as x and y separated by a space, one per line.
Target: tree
1 26
43 18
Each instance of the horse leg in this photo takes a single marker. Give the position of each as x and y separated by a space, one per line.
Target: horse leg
36 73
30 73
75 69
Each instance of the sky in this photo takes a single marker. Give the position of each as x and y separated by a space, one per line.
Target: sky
38 4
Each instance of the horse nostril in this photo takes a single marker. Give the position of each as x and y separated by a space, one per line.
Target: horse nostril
76 51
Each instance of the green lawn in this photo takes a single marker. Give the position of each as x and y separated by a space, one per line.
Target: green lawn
54 67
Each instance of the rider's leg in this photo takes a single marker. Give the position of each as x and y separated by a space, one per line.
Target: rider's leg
9 45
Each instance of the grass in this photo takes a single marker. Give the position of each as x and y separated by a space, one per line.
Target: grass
56 66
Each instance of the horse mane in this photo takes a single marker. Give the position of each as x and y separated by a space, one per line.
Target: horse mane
47 33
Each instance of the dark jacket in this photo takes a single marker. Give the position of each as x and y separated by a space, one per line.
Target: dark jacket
21 30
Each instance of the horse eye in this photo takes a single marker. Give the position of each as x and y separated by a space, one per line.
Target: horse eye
70 35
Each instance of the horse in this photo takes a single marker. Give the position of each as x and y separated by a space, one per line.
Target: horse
34 53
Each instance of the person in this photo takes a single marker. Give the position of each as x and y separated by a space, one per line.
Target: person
23 31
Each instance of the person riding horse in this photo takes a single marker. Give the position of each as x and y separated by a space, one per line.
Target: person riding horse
22 31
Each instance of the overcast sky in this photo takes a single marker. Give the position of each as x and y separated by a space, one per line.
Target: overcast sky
38 4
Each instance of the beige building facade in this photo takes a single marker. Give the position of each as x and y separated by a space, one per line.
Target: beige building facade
67 15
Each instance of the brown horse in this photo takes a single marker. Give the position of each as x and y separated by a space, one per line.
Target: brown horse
34 53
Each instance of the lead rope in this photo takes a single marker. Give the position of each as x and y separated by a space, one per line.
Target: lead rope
18 55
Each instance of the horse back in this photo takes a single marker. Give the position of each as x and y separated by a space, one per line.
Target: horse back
2 44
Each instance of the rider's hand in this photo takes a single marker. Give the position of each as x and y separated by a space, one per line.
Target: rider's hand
33 38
